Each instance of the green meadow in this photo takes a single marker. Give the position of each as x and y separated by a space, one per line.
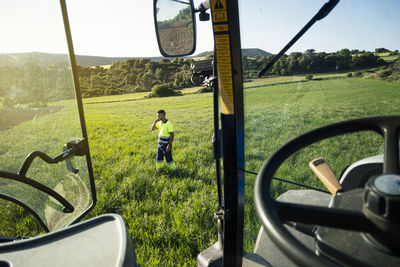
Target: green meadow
170 216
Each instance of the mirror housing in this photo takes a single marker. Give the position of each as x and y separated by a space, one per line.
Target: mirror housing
174 22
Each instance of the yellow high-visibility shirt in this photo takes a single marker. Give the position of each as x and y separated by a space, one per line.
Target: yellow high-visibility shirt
165 128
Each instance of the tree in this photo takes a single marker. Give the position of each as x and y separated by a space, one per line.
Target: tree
147 81
165 60
160 74
345 59
381 50
310 51
130 78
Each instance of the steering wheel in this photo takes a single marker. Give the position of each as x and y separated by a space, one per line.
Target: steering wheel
272 212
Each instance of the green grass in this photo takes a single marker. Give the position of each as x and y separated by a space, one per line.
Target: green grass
387 57
289 79
156 206
170 217
115 98
277 114
130 97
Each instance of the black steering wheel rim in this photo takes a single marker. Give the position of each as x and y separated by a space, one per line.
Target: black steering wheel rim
268 209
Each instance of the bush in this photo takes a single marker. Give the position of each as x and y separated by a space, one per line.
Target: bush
8 102
205 90
161 90
349 74
357 74
384 73
140 89
309 76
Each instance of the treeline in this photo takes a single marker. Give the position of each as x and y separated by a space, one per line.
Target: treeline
312 62
30 83
134 75
38 85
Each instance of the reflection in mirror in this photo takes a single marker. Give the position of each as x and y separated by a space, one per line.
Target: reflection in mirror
175 27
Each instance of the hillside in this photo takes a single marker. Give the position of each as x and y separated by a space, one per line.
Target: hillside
40 59
390 73
47 59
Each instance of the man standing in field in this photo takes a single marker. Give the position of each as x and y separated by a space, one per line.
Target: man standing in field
165 138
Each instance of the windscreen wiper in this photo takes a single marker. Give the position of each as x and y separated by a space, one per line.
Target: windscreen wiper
75 147
68 208
322 13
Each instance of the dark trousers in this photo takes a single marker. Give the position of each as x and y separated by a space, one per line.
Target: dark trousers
162 152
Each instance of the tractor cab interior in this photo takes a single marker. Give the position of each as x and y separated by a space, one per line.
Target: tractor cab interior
306 168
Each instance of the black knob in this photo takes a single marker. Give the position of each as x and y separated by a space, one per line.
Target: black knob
382 197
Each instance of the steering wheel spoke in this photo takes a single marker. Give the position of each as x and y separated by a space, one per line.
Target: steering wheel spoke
391 155
330 217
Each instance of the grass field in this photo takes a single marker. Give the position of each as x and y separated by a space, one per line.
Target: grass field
170 217
289 79
130 97
387 57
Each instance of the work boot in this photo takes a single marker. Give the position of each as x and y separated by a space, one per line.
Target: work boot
172 167
159 165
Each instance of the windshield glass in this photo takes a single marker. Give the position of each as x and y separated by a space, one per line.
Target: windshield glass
38 113
345 67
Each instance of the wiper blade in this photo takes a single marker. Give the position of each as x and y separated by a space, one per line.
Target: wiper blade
68 208
322 13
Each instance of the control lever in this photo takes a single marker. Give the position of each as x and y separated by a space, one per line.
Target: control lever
321 168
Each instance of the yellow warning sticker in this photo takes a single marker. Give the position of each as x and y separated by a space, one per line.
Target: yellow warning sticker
219 12
223 53
221 28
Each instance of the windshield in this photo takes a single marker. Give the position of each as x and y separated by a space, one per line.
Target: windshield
38 113
345 67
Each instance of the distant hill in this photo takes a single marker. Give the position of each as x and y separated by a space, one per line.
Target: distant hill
40 59
248 52
253 52
46 59
89 61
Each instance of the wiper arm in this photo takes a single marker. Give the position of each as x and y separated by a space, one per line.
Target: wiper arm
74 147
322 13
68 208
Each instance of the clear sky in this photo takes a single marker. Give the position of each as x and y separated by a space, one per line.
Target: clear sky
126 27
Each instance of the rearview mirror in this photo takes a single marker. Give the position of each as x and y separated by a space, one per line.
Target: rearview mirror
175 27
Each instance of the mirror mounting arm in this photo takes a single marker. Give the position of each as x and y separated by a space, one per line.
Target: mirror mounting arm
74 147
202 8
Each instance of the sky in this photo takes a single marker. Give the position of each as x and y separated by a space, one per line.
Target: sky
125 28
